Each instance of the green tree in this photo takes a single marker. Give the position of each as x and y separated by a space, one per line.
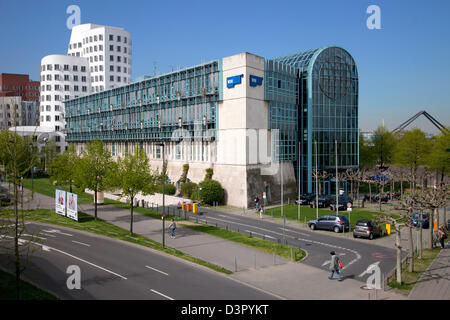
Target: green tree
63 169
366 154
439 159
411 151
133 176
92 170
211 191
383 146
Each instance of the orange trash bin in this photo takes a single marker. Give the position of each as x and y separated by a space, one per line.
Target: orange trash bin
189 206
183 206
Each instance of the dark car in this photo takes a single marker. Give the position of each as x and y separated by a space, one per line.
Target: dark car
330 222
322 202
415 219
384 198
366 228
342 203
305 199
5 199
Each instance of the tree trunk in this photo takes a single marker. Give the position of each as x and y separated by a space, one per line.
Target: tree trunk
430 230
131 217
399 255
95 204
411 250
420 238
357 195
370 192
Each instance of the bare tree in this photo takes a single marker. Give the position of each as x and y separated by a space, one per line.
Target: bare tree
319 175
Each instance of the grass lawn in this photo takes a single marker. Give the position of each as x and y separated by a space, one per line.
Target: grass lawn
29 291
89 224
409 279
291 213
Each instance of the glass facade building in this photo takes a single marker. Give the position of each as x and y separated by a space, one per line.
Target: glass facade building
308 97
327 111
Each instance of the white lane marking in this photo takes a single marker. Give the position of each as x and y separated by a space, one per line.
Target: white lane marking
366 271
47 248
58 231
30 235
167 297
265 235
157 270
84 244
358 256
48 235
296 232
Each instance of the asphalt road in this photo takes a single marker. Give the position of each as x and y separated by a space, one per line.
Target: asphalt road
113 269
356 256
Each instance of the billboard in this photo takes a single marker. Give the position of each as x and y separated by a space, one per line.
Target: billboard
72 206
60 202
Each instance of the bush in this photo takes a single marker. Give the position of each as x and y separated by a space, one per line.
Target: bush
209 174
211 191
169 189
189 189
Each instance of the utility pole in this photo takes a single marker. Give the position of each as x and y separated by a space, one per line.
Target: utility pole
337 179
317 185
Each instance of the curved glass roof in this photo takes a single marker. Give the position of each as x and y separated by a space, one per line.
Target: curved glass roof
299 60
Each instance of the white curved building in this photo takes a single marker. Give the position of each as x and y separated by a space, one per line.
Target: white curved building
108 50
62 78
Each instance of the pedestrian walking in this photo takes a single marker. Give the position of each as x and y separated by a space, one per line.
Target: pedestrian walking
257 202
172 227
335 265
442 235
261 211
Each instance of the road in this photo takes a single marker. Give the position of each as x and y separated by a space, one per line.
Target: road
113 269
357 256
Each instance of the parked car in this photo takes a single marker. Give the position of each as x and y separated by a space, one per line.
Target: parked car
384 198
5 200
305 199
342 203
415 219
330 222
366 228
322 202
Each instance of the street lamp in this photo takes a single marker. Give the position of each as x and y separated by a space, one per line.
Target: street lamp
163 189
32 174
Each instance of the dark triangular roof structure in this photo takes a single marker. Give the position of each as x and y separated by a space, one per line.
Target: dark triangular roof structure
436 123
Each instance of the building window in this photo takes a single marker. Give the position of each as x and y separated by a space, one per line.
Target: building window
118 58
57 108
124 39
118 48
83 79
100 37
84 89
111 47
66 88
75 88
75 78
118 69
95 38
66 77
111 58
100 67
118 79
47 118
90 39
75 68
56 118
100 57
111 37
57 77
83 69
111 68
111 78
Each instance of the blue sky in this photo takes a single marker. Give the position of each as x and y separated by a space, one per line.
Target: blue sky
403 67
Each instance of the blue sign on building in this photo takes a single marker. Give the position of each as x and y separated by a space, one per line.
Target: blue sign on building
231 81
255 81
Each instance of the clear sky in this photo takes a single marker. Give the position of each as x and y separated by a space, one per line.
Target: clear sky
403 68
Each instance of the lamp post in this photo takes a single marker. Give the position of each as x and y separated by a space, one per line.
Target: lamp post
32 175
163 188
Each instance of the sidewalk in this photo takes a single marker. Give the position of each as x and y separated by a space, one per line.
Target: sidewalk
434 284
284 278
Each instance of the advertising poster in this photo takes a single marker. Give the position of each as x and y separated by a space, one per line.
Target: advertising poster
60 202
72 206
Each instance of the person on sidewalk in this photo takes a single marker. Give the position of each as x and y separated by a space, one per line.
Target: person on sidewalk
442 235
261 211
334 266
257 203
172 227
